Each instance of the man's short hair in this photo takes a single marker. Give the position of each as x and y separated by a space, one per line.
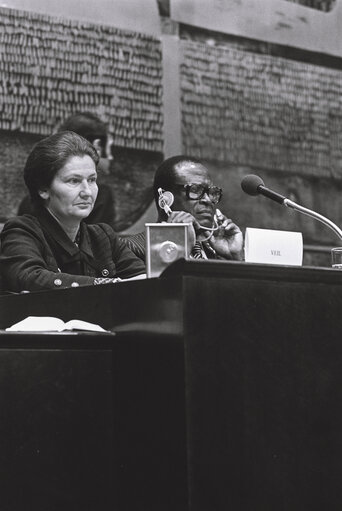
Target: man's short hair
88 125
165 175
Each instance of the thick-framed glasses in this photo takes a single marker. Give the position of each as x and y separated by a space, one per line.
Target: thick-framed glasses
197 191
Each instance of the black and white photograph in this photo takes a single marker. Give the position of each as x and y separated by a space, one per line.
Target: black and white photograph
170 255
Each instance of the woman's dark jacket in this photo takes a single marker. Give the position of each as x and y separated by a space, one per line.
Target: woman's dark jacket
37 254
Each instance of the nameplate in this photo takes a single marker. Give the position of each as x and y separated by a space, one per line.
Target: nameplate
273 247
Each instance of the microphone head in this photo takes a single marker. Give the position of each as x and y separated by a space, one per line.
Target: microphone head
250 184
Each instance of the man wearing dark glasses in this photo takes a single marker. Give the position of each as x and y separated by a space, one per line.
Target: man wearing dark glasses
184 193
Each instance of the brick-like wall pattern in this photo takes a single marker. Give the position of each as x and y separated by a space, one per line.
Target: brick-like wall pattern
51 67
260 110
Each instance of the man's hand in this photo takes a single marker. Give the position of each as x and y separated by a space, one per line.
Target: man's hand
227 241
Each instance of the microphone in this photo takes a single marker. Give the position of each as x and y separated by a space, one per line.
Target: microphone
254 185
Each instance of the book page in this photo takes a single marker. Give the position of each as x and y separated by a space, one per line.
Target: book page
51 324
37 324
78 324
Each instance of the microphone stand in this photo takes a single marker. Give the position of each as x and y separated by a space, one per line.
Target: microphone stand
293 205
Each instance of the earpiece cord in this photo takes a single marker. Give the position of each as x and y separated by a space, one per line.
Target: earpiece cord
212 229
208 238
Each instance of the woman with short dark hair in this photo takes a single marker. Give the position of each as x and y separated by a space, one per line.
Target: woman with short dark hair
55 249
50 155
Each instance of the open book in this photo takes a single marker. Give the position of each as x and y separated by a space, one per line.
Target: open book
51 324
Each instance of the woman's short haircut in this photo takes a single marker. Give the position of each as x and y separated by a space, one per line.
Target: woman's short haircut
51 154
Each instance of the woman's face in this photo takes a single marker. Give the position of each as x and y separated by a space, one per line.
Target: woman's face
73 191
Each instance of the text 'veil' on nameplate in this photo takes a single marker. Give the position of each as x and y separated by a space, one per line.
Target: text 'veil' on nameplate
273 247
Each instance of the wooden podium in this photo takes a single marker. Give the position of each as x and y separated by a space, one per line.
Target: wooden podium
219 389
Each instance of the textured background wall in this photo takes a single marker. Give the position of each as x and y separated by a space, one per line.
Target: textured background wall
260 110
290 24
14 149
52 67
118 13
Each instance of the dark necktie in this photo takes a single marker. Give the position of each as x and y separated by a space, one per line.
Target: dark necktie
197 251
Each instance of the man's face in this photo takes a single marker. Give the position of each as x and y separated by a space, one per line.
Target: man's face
202 209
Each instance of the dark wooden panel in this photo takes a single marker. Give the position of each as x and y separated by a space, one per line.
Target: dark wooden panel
95 427
130 305
56 437
264 387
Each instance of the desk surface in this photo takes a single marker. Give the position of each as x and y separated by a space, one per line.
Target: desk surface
154 303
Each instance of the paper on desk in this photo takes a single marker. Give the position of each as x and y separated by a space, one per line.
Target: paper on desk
268 246
51 324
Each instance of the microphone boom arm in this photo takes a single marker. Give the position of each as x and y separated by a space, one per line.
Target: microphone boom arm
254 185
293 205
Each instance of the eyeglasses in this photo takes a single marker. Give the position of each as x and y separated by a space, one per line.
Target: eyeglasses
197 191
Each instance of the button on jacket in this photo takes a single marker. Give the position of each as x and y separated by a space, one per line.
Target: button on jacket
37 254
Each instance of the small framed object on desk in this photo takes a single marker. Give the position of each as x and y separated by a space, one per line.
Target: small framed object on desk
165 243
